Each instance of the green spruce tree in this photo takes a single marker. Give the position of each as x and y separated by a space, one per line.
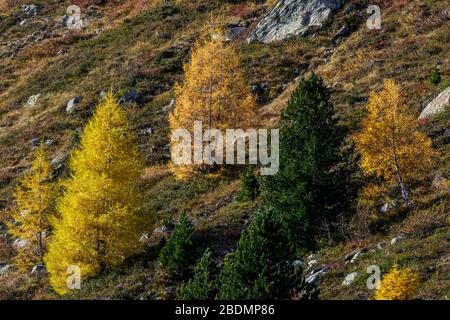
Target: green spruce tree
262 266
203 284
249 185
176 253
435 76
309 189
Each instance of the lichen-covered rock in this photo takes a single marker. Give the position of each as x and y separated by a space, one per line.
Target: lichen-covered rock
349 279
72 103
293 18
437 105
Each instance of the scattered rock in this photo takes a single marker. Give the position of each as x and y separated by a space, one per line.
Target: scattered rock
72 103
444 262
343 32
235 32
163 229
313 263
59 160
38 269
170 106
30 9
299 266
315 274
356 256
170 291
396 240
353 255
350 8
144 238
4 269
437 105
35 142
349 279
386 207
293 18
32 100
381 245
62 21
440 183
145 132
130 97
20 243
312 256
49 142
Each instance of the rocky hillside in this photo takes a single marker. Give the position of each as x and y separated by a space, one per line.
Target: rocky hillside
52 77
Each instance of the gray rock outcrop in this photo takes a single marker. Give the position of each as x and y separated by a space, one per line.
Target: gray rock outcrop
293 18
437 105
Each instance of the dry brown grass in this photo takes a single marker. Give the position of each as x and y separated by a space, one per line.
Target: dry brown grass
155 173
269 114
422 223
6 251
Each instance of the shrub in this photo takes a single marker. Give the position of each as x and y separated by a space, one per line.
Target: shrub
398 284
435 76
261 267
176 253
203 284
250 185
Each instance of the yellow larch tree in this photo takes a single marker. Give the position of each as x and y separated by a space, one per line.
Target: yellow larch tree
389 142
214 91
30 218
398 284
100 211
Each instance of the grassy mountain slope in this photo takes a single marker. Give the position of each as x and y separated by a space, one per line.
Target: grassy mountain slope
141 46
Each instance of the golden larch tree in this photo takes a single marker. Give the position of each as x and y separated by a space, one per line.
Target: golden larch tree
398 284
30 218
389 142
100 219
214 91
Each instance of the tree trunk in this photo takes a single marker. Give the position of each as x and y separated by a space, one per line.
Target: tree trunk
403 188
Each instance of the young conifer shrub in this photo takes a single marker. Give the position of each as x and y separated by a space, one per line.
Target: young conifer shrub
203 284
262 266
435 76
177 252
249 185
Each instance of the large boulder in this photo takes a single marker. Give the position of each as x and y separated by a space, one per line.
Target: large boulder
293 18
437 105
